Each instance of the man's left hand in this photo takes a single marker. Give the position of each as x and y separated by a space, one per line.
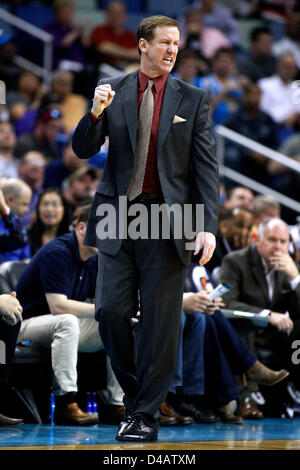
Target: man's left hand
284 262
207 241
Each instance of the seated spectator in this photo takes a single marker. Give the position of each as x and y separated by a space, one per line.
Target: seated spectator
69 40
276 96
250 122
265 281
23 103
291 40
53 290
43 138
80 185
274 13
239 196
260 62
31 171
223 85
212 353
233 234
8 164
10 318
265 207
216 17
17 196
52 219
197 37
13 235
189 67
113 43
60 169
72 106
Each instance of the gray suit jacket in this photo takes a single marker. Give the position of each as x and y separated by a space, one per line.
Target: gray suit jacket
244 271
186 161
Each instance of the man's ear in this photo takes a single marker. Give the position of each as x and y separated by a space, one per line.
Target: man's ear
9 199
143 45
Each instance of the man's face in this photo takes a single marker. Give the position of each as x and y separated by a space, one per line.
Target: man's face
237 229
187 69
268 213
262 45
287 68
82 187
274 240
7 137
116 15
70 159
240 197
20 205
32 170
223 65
52 128
159 55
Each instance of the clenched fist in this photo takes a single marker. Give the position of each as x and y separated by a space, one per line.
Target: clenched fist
103 97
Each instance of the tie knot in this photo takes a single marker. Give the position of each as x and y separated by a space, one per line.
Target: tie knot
150 84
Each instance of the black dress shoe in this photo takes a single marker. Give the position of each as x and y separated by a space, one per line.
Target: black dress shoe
136 430
200 415
9 422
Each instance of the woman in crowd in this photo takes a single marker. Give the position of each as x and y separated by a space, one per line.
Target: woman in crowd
52 219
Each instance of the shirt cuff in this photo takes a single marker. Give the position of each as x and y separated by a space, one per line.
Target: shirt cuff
264 313
294 283
187 294
94 119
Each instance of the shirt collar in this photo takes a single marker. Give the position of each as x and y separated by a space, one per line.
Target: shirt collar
268 272
159 82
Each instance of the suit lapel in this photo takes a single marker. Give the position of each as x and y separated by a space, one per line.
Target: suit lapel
130 105
171 100
259 274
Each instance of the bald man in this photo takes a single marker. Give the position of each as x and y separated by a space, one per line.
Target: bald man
266 281
17 196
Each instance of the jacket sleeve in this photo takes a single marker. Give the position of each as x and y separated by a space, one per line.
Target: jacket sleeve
88 136
205 166
16 236
231 274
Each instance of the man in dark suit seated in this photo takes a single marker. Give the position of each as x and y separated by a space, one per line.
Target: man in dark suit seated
265 281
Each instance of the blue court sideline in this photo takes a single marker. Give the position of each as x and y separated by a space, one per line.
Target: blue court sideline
46 435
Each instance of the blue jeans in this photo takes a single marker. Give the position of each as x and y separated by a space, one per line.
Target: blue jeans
189 370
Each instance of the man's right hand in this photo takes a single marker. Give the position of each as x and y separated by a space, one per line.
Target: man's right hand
196 302
103 97
10 309
281 321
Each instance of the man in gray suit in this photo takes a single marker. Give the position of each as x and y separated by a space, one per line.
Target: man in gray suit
266 281
161 151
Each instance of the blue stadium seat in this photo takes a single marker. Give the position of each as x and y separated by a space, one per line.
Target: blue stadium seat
38 15
170 8
134 6
134 20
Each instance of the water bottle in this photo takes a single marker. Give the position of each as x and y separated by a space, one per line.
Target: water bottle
89 408
52 408
95 405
